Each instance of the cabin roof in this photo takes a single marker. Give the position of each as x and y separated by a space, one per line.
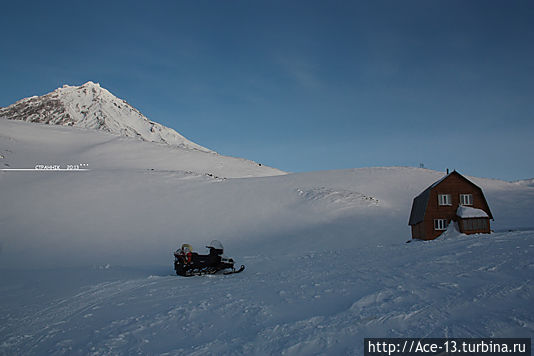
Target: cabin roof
419 207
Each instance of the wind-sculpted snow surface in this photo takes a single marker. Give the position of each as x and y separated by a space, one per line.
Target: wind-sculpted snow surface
315 303
344 199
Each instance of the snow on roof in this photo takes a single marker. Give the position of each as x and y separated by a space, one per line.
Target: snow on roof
468 212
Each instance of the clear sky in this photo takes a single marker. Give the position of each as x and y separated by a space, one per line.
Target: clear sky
299 85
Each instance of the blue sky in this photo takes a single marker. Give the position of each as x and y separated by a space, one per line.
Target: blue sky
300 85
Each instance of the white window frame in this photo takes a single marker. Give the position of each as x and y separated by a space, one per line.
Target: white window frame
444 199
440 224
466 199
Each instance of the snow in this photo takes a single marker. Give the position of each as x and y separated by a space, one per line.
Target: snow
86 257
25 145
465 212
322 302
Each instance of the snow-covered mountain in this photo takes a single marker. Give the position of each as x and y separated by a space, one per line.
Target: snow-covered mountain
91 106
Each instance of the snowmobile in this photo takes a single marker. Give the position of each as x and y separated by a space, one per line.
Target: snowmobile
188 263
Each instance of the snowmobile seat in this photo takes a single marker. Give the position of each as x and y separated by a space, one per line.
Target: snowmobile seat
199 260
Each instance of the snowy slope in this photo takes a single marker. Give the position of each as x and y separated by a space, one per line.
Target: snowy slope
86 257
25 145
91 106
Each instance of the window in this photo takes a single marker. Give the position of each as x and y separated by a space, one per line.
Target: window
444 199
466 199
440 224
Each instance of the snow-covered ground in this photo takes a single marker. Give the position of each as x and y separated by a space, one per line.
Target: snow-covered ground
86 257
311 303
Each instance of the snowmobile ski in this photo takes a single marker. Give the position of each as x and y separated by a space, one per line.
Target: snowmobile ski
241 269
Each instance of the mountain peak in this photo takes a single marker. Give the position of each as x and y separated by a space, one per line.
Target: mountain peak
91 106
85 85
91 84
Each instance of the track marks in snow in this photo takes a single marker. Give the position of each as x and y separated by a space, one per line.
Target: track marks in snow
337 198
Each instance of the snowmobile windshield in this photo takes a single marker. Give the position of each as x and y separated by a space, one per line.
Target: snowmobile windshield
216 244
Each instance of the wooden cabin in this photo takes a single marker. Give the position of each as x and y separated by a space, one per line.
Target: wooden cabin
453 198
